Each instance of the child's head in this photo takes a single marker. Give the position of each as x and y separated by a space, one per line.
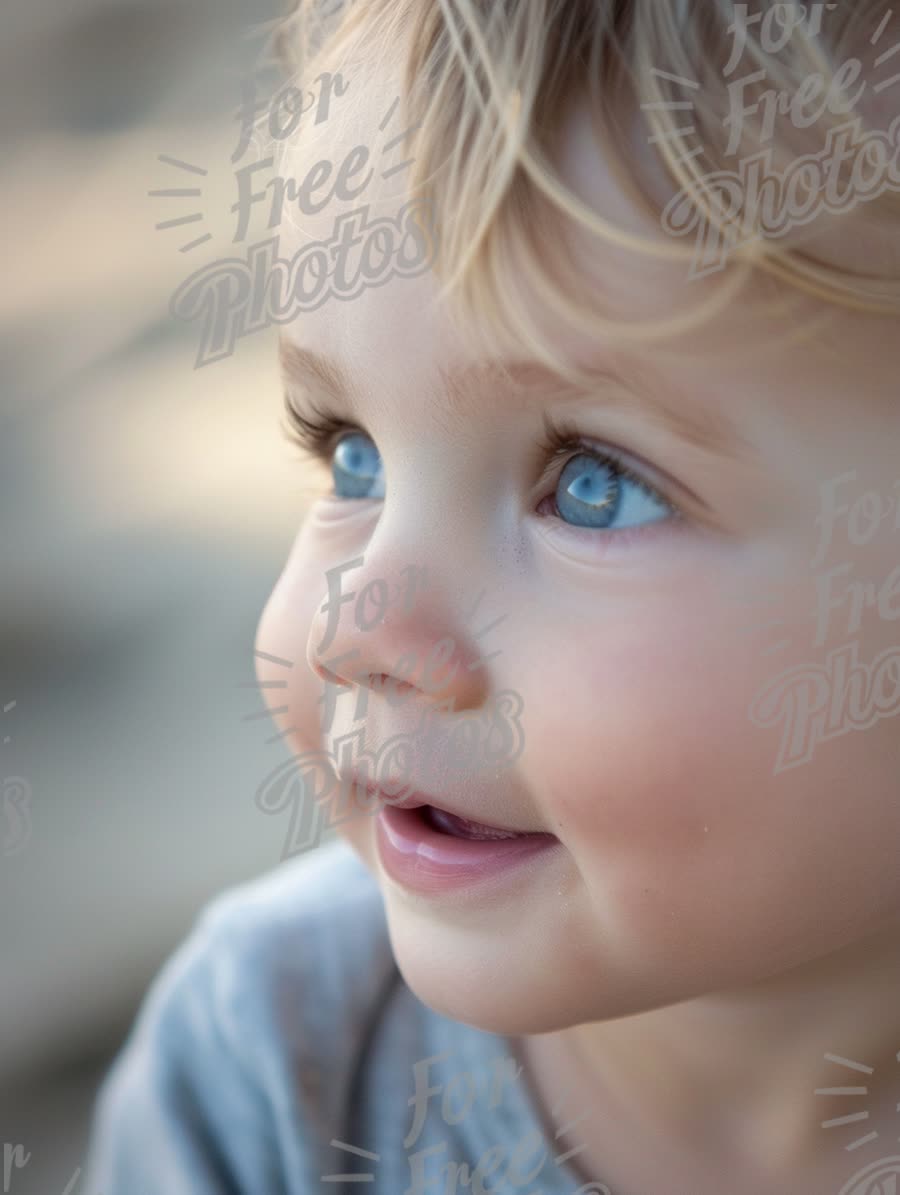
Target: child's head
683 571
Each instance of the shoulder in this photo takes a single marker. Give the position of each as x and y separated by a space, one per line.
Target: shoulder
312 918
294 955
301 953
257 1019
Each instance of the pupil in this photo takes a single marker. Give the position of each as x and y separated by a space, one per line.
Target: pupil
587 489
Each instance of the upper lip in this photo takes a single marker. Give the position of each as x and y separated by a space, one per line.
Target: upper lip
417 799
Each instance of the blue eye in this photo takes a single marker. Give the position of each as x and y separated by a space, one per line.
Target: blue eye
357 468
594 492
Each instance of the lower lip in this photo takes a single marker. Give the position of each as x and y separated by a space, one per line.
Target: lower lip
427 861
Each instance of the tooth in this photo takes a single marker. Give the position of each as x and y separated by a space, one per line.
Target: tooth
462 827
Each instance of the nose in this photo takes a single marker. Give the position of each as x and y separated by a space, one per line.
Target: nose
394 630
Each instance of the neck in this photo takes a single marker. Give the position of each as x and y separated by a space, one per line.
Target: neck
753 1072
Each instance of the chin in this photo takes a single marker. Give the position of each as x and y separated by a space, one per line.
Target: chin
474 985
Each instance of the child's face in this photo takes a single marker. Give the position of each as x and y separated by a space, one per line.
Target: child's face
685 863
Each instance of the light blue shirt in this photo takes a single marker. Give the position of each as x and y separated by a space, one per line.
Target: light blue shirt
280 1049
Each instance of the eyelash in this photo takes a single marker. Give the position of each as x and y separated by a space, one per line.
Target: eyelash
317 438
562 442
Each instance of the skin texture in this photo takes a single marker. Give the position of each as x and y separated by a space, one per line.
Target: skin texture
709 928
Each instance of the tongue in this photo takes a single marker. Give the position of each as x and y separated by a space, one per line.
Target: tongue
461 827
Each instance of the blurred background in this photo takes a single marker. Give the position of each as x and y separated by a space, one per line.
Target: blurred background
147 508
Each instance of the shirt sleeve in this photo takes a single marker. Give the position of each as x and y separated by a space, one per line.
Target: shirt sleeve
182 1111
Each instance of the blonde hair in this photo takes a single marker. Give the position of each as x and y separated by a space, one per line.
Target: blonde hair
487 83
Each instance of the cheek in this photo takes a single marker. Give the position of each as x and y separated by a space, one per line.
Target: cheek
283 633
646 774
645 762
647 739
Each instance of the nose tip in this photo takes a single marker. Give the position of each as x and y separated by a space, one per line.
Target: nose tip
401 664
418 646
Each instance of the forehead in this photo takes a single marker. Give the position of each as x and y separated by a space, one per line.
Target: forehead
398 323
368 121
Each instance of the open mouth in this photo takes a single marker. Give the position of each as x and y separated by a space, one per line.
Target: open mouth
462 827
436 820
428 850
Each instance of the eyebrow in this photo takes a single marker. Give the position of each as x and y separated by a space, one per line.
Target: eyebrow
534 384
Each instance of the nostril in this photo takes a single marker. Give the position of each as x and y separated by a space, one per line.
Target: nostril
385 684
327 677
322 673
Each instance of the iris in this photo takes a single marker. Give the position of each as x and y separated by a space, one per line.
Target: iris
357 468
595 493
